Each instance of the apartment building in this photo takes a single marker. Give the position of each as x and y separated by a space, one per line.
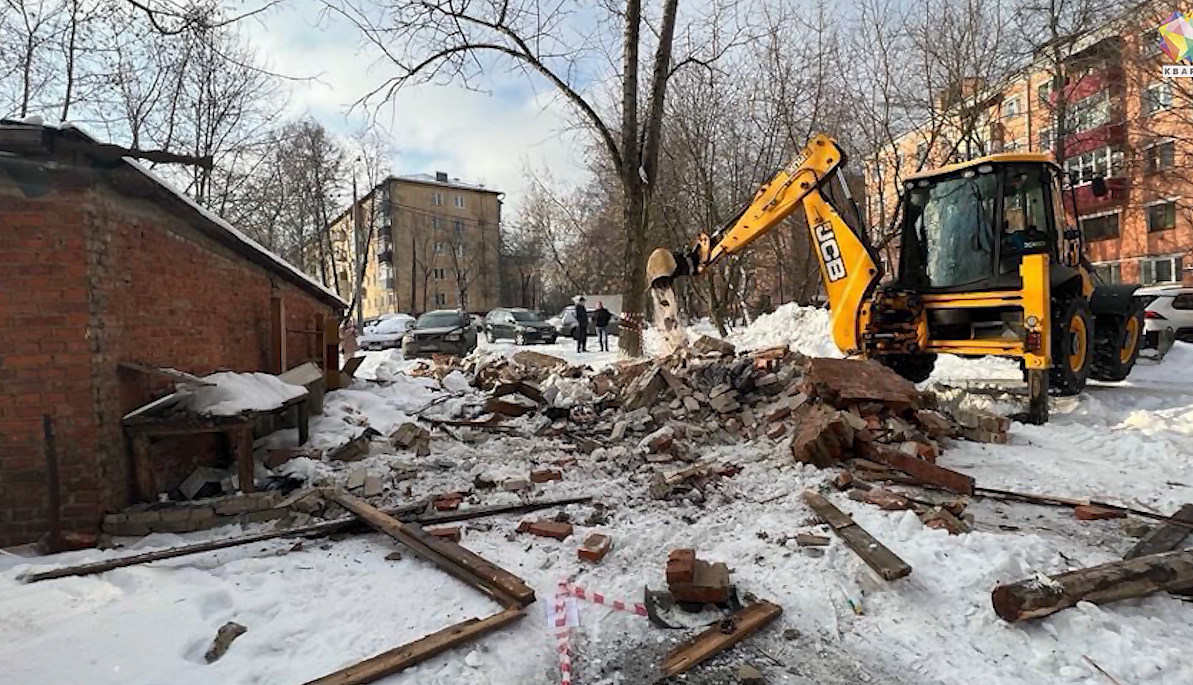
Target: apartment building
1122 121
433 245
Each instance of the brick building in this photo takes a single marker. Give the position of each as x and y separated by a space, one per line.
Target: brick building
1122 120
105 265
435 245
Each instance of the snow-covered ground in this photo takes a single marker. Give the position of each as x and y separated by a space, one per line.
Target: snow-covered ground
311 611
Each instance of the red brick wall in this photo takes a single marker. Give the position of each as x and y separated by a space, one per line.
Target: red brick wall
45 364
104 278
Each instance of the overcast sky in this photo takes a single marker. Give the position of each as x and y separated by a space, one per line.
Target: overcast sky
481 137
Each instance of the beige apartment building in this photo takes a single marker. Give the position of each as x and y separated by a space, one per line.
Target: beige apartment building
434 245
1124 122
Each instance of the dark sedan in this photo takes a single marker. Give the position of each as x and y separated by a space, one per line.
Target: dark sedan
521 325
444 331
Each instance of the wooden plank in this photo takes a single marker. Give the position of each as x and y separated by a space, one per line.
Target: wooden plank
1166 537
396 660
1117 580
477 512
143 468
277 334
502 585
873 552
244 459
920 469
714 640
331 353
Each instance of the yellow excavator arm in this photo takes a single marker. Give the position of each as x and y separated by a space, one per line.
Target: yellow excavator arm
848 269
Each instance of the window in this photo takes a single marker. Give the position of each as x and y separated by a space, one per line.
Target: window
460 201
1010 108
1089 112
1160 156
440 299
458 227
1100 227
437 199
1161 270
1044 93
921 152
1184 301
1105 162
1158 96
438 273
438 248
1045 140
460 250
437 223
1109 272
1161 216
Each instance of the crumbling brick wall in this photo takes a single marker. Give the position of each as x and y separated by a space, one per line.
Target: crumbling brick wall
102 278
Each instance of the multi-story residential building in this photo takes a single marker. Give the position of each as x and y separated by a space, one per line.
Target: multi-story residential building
1100 104
434 244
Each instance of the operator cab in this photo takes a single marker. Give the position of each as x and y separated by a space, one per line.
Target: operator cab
967 226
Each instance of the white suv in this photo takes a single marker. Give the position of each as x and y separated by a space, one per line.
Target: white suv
1168 317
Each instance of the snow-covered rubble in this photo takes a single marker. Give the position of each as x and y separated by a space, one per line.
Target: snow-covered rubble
311 611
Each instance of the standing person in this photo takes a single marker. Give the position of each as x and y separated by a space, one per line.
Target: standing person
601 317
581 326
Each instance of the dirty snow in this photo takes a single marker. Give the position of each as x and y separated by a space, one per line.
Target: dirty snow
235 393
312 611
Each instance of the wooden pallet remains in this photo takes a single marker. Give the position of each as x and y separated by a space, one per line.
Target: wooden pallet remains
884 562
395 660
1166 537
404 513
720 637
1111 582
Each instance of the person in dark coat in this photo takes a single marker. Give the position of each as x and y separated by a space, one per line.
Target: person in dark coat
581 326
601 318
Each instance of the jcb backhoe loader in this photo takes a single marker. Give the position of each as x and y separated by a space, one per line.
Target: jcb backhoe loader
986 266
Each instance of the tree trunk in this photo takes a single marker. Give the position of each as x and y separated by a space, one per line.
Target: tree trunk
1110 582
633 212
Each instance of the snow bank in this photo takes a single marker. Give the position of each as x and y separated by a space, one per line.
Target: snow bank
806 329
236 393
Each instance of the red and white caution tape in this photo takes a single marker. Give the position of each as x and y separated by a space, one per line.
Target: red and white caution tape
561 622
597 598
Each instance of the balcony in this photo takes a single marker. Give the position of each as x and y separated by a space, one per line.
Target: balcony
1088 203
1090 84
1087 141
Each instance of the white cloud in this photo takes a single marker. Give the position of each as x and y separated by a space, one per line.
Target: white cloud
478 137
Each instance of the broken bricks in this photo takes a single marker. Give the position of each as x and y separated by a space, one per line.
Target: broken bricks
546 529
595 547
823 437
696 581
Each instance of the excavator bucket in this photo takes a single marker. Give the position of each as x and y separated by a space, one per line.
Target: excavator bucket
661 268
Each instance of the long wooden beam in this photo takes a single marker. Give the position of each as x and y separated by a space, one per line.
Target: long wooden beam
400 658
489 578
715 640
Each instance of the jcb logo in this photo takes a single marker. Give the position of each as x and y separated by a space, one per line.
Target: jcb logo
830 252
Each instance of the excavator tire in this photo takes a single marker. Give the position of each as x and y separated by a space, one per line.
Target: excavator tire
1072 346
914 367
1117 344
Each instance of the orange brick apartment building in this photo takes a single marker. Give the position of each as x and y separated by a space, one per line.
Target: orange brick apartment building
1124 122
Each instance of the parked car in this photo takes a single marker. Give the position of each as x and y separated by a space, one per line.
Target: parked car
386 333
1168 316
444 331
521 325
565 322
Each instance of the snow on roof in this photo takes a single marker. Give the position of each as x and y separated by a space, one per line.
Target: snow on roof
453 183
207 215
236 393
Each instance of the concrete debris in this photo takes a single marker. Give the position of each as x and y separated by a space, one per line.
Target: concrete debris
707 344
372 486
356 478
515 485
354 450
204 481
223 640
823 437
748 675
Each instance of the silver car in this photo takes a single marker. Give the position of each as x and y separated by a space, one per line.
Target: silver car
1168 317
